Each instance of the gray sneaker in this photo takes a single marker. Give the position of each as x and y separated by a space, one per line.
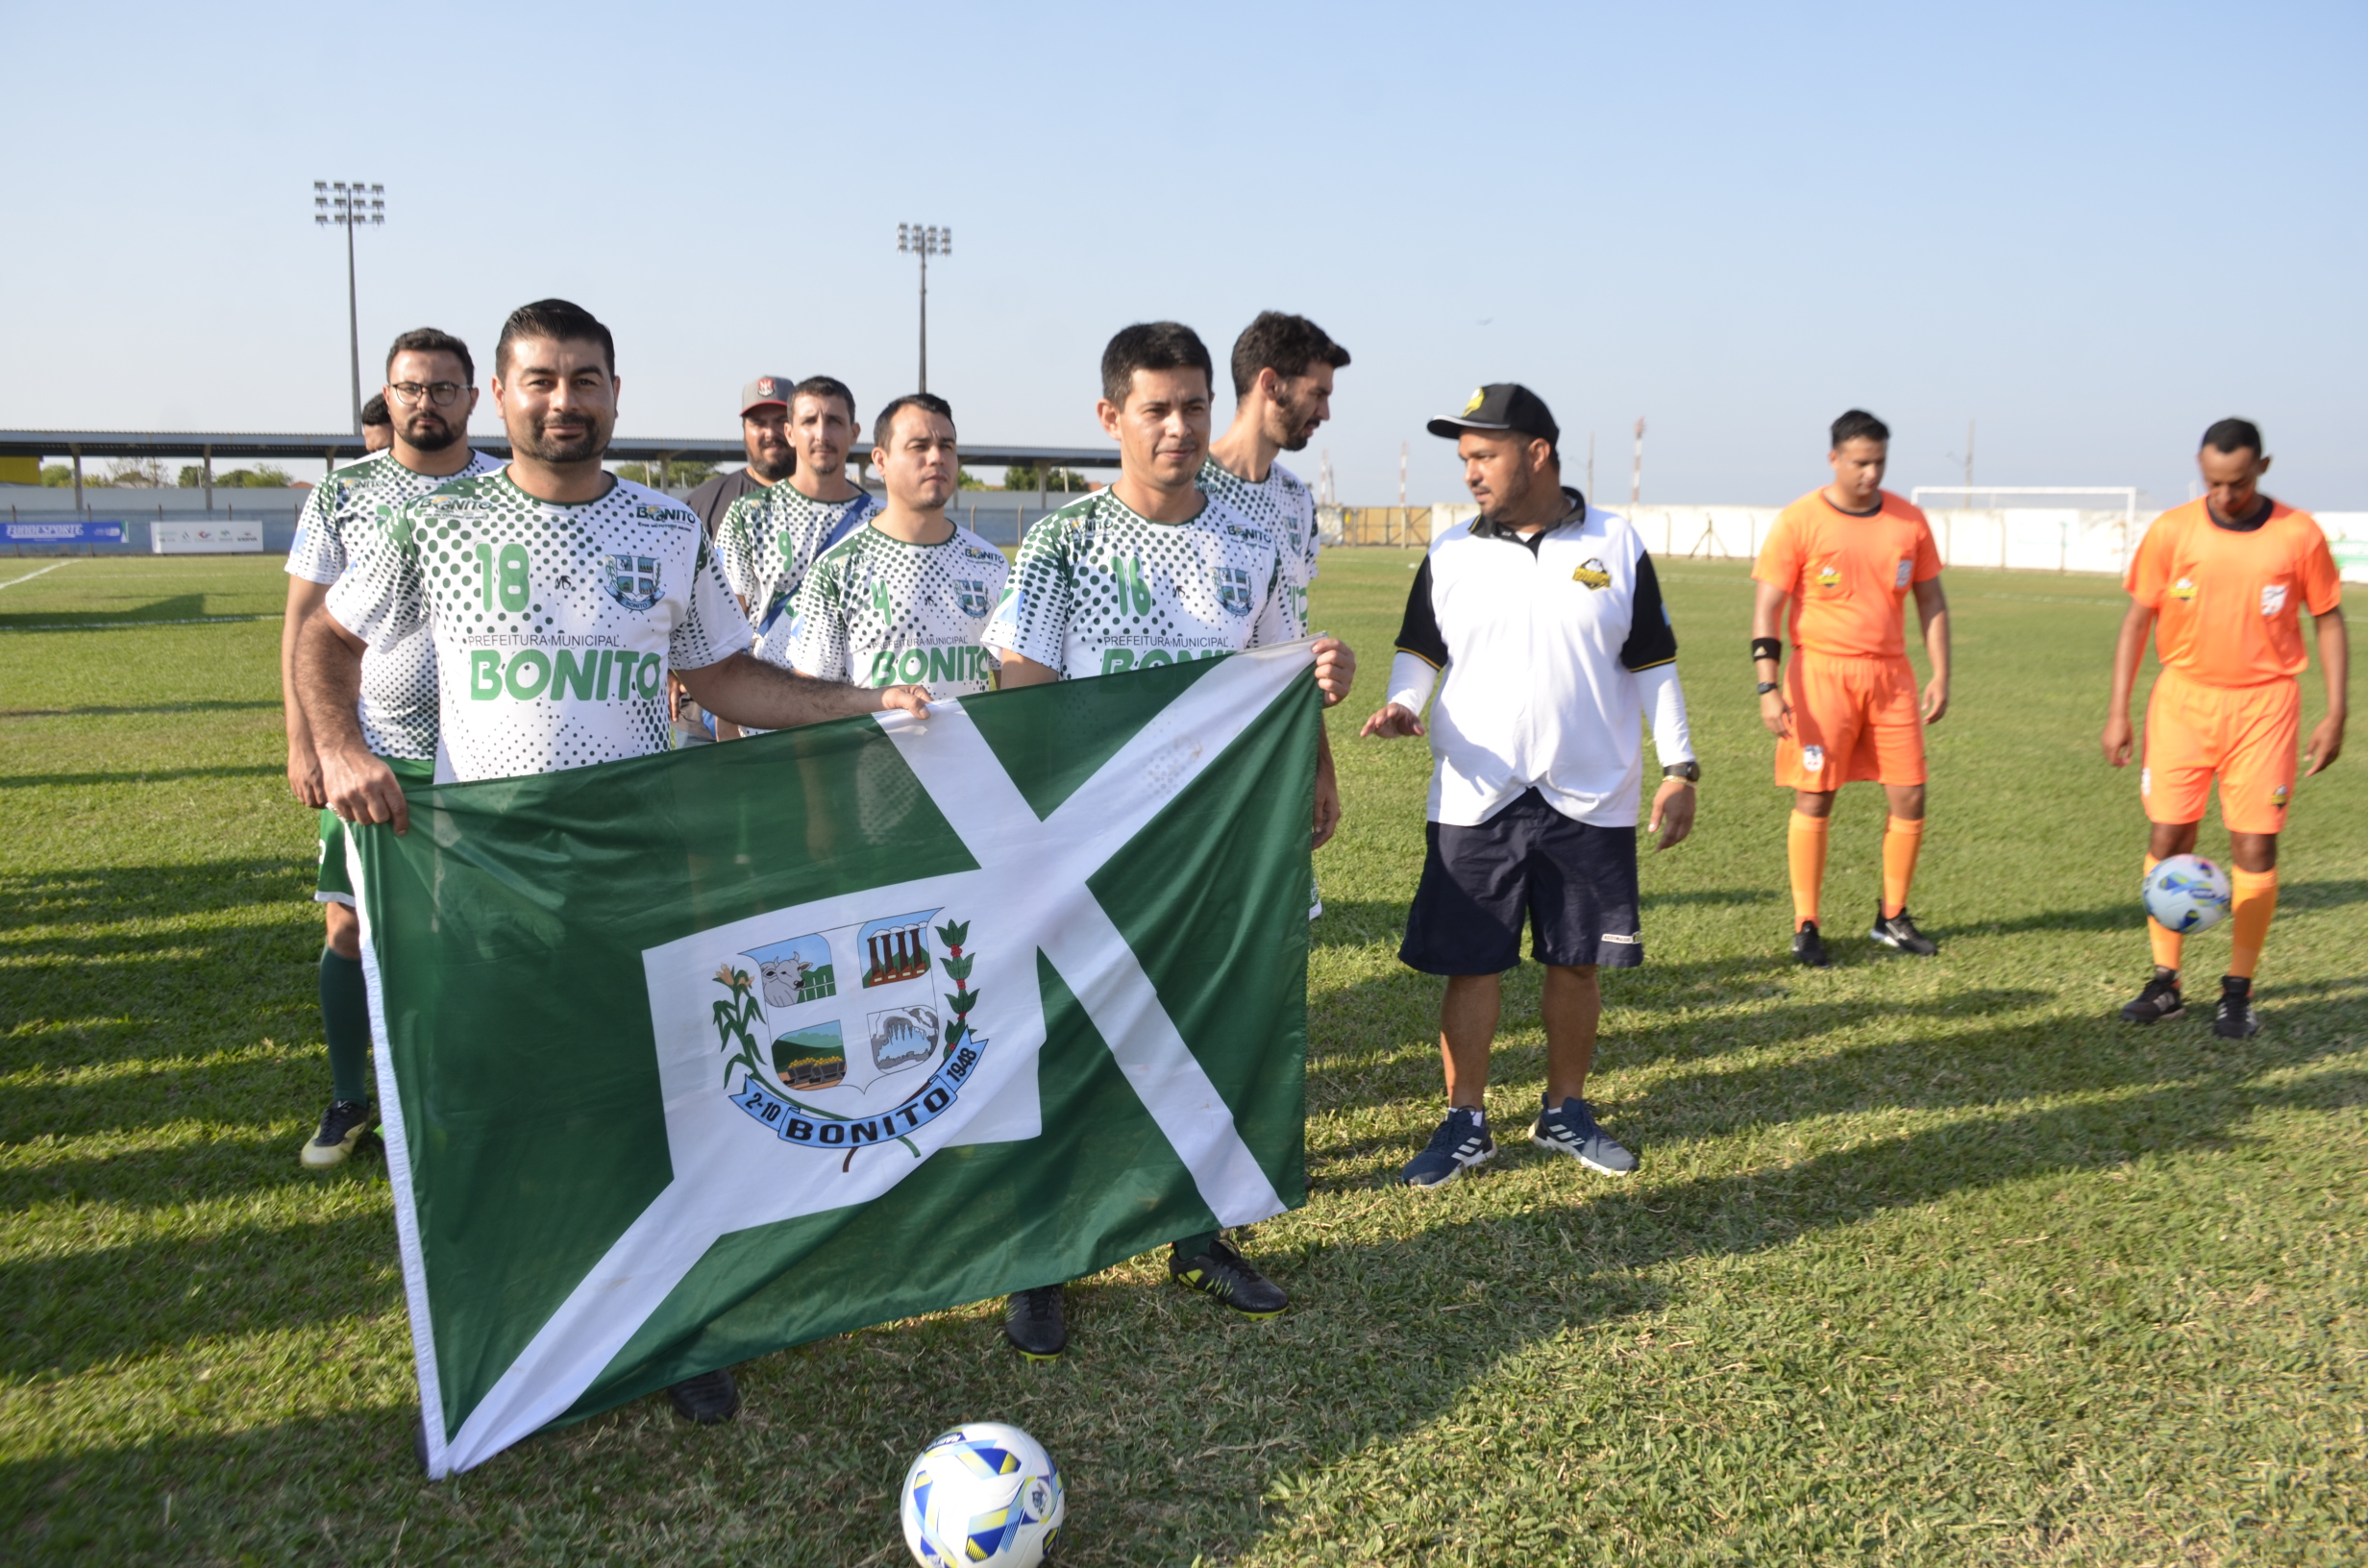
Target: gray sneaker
1571 1129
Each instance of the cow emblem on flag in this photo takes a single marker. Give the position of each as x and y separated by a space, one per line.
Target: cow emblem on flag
1233 589
633 581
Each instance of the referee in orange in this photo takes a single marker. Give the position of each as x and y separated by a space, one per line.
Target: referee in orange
1845 558
2222 582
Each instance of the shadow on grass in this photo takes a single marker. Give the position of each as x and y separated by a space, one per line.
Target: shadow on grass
179 608
157 707
144 775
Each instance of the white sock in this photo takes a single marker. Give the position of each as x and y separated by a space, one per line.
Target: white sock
1479 1117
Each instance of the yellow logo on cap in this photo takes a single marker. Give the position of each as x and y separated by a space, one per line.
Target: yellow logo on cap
1591 573
1477 398
2183 589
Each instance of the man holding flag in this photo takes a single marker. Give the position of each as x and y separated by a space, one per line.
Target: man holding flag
560 599
1150 572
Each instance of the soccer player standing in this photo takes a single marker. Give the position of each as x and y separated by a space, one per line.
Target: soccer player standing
770 538
1150 572
1547 617
1845 558
2222 583
906 595
430 392
559 600
1282 390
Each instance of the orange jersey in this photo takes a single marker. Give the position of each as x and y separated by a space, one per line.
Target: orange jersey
2229 601
1848 575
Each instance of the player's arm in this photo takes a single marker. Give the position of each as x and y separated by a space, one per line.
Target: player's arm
1768 626
1017 670
356 786
747 691
2335 667
2127 651
1932 605
304 762
1414 670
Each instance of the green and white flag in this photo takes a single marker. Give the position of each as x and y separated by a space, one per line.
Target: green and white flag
688 1058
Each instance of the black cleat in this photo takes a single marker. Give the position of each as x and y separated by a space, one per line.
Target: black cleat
1034 1324
1220 1272
344 1131
1809 947
710 1398
1898 932
2235 1018
2159 1002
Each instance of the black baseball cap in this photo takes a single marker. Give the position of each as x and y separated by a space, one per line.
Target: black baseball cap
1501 406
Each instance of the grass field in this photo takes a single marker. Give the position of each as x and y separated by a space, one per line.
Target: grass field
1928 1261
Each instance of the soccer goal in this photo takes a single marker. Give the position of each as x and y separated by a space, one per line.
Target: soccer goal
2023 535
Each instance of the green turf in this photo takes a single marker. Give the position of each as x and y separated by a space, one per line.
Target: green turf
1927 1262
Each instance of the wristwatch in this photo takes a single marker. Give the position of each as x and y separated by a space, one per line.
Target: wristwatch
1690 771
1767 686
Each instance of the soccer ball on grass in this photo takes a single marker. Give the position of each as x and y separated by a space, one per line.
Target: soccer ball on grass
2187 893
982 1496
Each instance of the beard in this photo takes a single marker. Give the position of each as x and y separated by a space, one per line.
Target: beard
544 447
773 467
429 434
1516 491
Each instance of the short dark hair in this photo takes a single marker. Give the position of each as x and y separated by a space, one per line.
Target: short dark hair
374 412
1152 345
1858 425
885 427
1290 346
561 321
824 386
2233 435
433 340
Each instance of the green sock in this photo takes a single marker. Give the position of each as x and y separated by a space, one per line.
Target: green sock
1193 1246
345 1018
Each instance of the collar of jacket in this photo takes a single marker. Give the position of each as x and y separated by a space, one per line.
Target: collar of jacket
1485 527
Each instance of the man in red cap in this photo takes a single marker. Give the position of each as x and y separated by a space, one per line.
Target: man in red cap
764 431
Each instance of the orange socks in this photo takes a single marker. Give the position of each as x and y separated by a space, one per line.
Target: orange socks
1805 848
2166 942
2256 902
1901 840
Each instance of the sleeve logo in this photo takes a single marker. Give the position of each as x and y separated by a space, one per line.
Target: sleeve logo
1590 572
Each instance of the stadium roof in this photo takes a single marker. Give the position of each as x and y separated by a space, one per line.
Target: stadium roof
238 445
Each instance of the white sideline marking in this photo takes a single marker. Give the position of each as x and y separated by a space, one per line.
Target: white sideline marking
30 575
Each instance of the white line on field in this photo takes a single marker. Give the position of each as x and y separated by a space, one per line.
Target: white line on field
30 575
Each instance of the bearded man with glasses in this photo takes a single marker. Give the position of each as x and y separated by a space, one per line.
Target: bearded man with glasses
430 394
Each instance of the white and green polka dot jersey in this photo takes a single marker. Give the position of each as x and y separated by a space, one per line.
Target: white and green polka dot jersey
877 611
555 625
770 538
1285 505
398 681
1098 588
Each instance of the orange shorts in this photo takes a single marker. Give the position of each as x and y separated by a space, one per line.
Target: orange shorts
2247 735
1852 718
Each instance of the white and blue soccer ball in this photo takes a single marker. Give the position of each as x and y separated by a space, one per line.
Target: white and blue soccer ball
982 1496
2187 892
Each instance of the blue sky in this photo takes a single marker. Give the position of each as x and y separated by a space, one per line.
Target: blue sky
2092 228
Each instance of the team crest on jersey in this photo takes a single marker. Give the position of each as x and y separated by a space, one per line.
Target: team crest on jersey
1590 572
634 581
1812 759
1899 579
1829 577
842 1038
971 593
2183 589
2277 794
2272 598
1233 590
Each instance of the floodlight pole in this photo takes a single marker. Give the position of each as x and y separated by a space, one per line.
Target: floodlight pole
349 204
923 241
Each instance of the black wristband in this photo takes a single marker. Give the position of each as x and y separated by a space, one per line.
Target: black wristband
1766 647
1767 686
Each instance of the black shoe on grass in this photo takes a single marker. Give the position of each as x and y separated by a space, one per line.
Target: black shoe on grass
1898 932
1809 947
2159 1002
2235 1018
344 1125
1460 1143
708 1398
1220 1271
1035 1324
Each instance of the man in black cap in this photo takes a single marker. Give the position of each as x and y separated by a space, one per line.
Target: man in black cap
1546 618
764 434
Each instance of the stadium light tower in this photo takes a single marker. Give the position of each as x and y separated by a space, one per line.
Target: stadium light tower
913 239
349 205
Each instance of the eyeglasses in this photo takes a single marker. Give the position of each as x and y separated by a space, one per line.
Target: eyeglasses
443 394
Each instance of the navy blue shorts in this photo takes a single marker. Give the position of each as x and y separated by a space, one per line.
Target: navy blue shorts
1575 885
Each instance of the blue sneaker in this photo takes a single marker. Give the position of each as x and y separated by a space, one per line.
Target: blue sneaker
1460 1142
1571 1129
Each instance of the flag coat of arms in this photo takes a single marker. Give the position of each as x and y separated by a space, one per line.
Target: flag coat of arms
689 1058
